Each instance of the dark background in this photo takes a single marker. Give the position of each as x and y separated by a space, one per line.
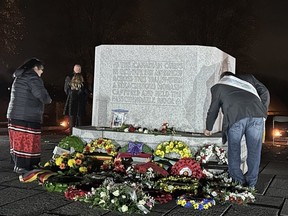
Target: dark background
65 32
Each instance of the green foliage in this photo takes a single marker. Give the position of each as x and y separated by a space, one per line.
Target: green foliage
72 141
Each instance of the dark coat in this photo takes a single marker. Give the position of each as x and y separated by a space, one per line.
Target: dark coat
28 97
237 104
76 99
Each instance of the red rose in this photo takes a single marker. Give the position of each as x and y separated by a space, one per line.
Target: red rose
131 129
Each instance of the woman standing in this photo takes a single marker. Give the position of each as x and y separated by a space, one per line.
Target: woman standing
25 114
77 93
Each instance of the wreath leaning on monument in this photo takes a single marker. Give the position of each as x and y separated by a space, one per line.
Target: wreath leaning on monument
174 148
103 145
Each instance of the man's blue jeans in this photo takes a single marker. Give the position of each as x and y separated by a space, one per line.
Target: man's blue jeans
252 128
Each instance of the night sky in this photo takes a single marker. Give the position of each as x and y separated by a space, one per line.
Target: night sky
63 33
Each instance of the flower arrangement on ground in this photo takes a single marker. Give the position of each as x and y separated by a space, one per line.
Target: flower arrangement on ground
238 197
147 174
223 189
124 187
178 183
209 152
122 197
60 183
71 164
135 148
74 142
190 201
187 167
74 193
167 148
102 145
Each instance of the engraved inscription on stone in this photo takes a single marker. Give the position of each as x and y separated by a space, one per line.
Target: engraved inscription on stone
147 82
157 84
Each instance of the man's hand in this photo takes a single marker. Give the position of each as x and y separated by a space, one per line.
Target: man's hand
207 133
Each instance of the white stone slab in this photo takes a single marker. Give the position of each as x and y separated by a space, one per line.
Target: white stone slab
152 140
157 84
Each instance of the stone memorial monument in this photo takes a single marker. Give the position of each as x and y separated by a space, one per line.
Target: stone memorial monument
148 85
157 84
153 85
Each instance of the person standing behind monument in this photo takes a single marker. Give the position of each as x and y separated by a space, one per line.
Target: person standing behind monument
25 115
244 103
76 92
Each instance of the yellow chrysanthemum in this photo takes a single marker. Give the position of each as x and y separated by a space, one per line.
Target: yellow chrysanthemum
83 169
158 152
177 147
186 155
185 150
58 161
71 162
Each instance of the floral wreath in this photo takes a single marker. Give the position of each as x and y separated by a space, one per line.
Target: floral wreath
187 167
239 198
125 198
188 201
102 144
172 183
225 190
166 148
71 164
236 196
72 193
206 152
136 148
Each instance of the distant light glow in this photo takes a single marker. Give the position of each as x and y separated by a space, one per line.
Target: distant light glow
277 133
64 123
